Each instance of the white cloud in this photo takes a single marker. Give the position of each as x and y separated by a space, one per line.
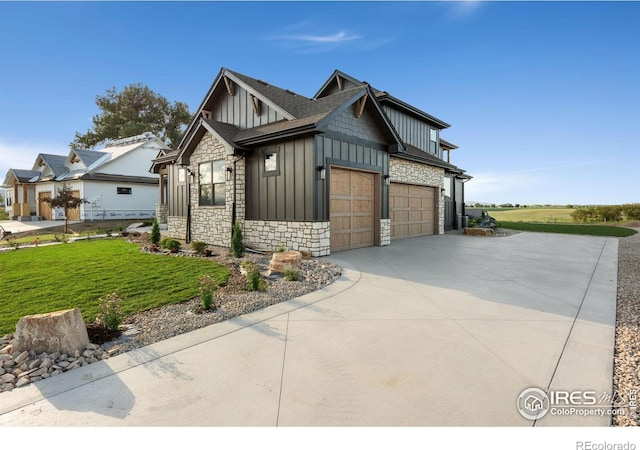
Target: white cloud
334 38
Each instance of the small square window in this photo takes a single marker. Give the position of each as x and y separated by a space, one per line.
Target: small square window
270 162
123 190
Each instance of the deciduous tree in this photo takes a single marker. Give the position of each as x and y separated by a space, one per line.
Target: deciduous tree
132 111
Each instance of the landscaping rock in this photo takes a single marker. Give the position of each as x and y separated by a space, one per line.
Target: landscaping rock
62 331
281 261
479 231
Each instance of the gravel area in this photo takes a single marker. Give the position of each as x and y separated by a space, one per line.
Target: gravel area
626 373
232 300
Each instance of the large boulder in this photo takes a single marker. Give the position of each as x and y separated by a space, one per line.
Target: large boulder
59 331
285 260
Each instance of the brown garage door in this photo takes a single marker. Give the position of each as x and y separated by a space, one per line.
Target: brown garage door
44 208
351 209
412 210
74 214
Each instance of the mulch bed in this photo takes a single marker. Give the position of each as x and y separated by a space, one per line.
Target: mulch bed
99 334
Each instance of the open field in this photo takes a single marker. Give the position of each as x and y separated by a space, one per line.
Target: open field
51 278
542 215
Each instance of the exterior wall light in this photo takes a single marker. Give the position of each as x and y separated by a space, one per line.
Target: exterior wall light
323 172
387 180
228 171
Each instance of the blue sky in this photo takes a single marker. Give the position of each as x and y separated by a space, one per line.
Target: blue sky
543 97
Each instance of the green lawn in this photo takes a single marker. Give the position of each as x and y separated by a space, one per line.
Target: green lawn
593 230
45 279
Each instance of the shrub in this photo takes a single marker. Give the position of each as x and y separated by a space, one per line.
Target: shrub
207 287
110 314
281 249
631 211
155 232
609 213
237 243
198 247
583 215
170 244
292 274
255 282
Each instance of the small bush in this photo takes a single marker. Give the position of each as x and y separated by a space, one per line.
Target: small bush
255 282
237 242
292 274
198 247
207 287
110 314
281 249
155 232
170 244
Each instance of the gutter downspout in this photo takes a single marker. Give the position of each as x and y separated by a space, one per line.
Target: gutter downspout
187 237
235 188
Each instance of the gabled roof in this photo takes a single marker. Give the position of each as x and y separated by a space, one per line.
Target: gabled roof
88 157
55 163
382 96
22 176
304 115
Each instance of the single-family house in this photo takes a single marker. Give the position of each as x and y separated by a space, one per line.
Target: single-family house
115 180
349 167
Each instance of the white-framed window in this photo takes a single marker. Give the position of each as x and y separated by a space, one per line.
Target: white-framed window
433 141
211 176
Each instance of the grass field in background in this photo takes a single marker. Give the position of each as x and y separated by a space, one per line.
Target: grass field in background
543 215
77 275
592 230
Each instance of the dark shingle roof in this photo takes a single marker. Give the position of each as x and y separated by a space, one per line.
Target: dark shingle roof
415 154
89 157
55 163
284 98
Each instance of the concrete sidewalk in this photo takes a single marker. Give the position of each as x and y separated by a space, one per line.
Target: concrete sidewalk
443 330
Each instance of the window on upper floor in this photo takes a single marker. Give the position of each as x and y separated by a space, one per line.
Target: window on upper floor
212 183
433 141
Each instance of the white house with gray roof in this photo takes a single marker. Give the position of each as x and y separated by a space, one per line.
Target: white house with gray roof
115 180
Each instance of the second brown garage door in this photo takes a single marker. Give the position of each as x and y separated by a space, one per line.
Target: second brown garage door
412 209
351 209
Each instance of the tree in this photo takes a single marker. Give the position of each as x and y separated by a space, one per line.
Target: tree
134 110
66 201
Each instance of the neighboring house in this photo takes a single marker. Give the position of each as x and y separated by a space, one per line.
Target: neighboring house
115 180
350 167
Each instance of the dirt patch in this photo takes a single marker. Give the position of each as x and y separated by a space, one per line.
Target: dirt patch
99 334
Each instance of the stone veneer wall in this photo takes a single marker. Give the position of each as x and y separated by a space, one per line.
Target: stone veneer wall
385 232
212 224
177 227
302 236
161 212
404 171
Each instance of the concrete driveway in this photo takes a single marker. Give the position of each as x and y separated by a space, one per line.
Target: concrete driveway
442 330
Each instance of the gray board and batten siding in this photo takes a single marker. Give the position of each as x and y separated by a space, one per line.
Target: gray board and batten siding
178 197
297 192
238 110
413 131
288 194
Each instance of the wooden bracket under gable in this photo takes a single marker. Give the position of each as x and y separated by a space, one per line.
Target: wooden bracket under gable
206 114
360 105
339 81
229 84
256 104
